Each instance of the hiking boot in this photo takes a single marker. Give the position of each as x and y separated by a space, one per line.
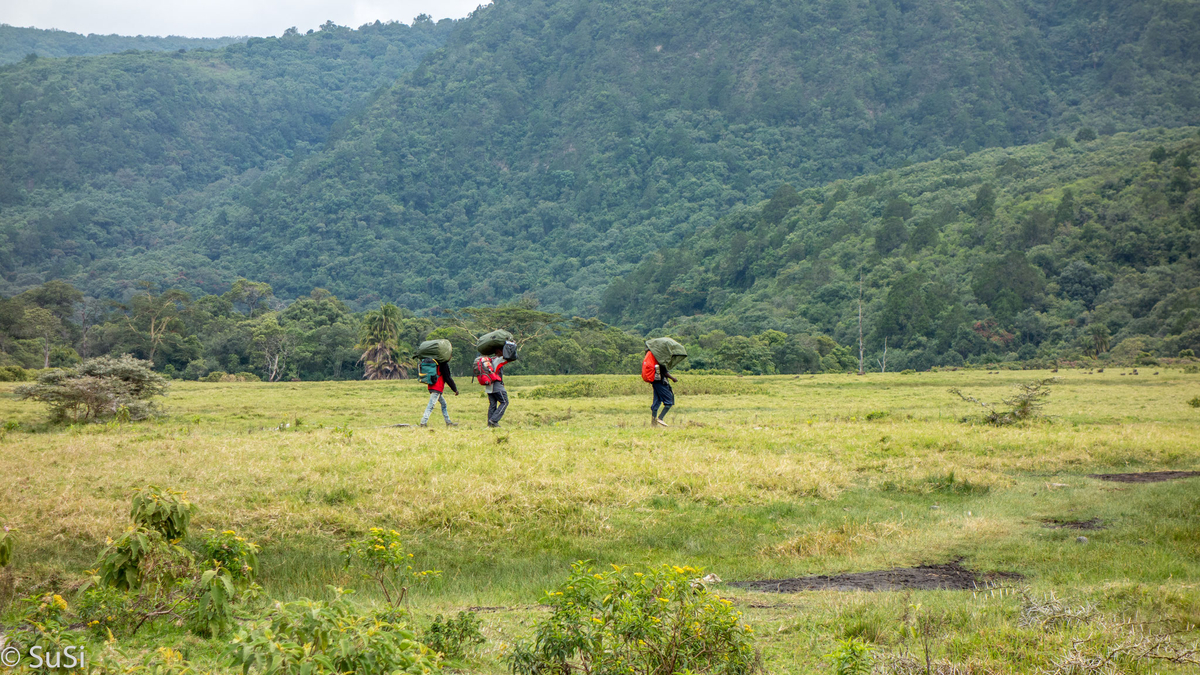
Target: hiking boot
451 424
423 424
661 423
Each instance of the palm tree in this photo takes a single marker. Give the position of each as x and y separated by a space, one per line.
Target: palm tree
1099 335
379 339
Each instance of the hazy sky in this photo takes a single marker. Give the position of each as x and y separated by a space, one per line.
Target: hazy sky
217 18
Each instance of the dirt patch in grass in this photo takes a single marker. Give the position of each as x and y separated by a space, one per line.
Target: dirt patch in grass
1145 477
949 577
1061 524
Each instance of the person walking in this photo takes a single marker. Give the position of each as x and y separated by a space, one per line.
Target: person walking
496 393
660 380
436 394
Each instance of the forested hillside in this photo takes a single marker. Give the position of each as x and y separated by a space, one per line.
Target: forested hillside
107 159
17 43
1057 250
553 144
712 169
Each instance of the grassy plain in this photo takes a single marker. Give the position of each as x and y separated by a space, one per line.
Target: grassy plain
787 476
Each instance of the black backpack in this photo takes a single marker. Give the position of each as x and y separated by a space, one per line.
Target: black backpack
427 371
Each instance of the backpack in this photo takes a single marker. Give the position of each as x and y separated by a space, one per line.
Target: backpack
649 368
485 372
427 371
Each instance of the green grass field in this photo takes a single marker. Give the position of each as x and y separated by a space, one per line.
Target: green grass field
756 478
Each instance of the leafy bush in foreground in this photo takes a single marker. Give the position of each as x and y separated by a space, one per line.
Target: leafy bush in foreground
453 636
310 637
98 388
656 621
167 511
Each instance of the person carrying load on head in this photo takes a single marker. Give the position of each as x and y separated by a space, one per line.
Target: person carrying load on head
433 369
495 350
661 355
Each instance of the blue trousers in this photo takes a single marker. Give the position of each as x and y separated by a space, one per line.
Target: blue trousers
664 396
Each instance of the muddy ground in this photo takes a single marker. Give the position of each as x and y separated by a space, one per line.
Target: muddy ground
950 576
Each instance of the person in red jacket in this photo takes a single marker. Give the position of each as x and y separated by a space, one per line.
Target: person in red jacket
435 394
656 374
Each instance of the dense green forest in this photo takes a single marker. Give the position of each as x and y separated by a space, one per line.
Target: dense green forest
548 147
1014 180
107 158
553 144
1060 250
1069 251
17 43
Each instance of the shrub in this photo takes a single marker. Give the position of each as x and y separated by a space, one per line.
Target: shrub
1026 404
1195 403
233 553
656 621
166 511
309 637
1187 354
215 376
139 555
453 637
98 388
382 555
851 657
15 374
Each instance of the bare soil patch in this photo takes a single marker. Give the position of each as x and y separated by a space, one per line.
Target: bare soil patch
950 577
1061 524
1145 476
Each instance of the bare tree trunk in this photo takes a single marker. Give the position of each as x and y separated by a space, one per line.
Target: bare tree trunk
860 340
883 362
46 351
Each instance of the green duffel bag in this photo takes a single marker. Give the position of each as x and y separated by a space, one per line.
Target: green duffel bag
438 350
493 342
667 352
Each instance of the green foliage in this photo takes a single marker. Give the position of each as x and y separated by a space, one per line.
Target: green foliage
7 542
1026 404
233 553
107 610
15 374
167 511
97 389
453 637
309 637
1194 402
18 43
139 555
215 592
382 557
851 657
655 620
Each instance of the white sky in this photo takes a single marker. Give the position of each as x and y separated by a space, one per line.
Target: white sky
218 18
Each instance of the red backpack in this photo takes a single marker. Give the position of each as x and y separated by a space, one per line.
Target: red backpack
648 365
485 372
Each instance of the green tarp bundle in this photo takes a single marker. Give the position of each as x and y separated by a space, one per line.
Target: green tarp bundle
493 341
666 351
438 350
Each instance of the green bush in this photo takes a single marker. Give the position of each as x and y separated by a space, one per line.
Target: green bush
15 374
215 376
167 511
382 557
98 388
851 657
452 637
309 637
233 553
657 621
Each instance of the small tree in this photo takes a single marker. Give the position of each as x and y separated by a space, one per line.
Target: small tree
98 388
